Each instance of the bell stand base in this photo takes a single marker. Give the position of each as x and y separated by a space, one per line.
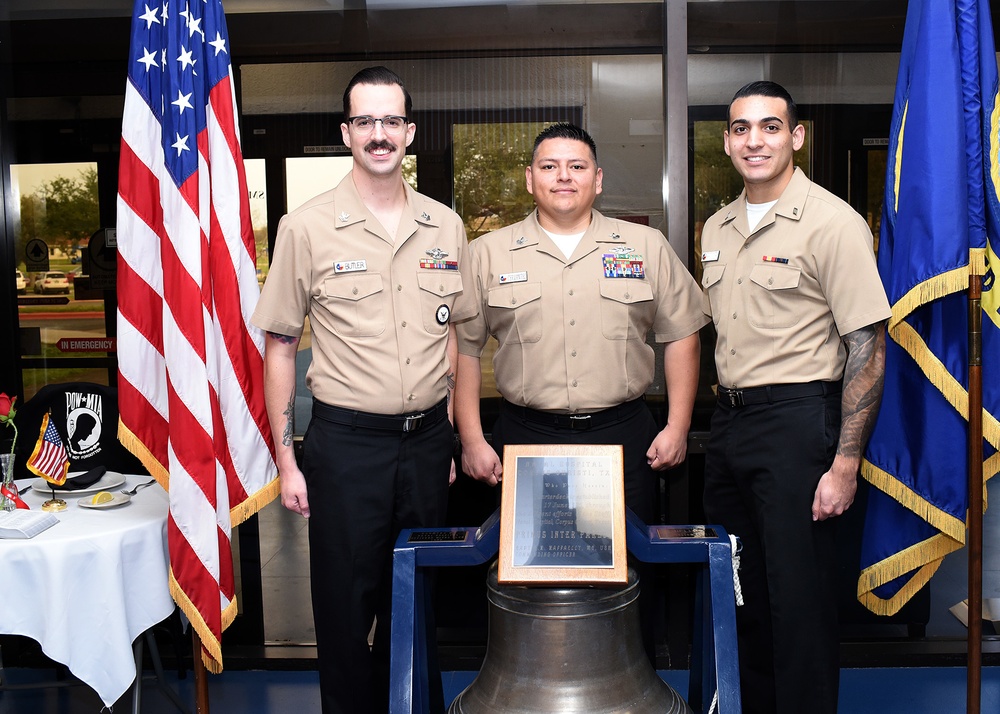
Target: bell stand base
714 664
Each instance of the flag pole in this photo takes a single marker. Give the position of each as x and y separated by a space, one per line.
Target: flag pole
975 535
200 676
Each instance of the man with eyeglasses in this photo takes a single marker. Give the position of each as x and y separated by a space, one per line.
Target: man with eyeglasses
379 269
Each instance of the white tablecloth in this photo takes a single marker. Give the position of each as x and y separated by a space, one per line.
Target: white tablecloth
90 585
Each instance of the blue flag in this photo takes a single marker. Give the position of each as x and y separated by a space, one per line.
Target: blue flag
940 218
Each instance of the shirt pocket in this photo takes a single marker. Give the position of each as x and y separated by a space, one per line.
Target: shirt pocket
514 312
774 298
710 281
354 304
438 291
624 304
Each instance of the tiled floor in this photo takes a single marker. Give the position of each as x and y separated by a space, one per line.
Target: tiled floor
863 691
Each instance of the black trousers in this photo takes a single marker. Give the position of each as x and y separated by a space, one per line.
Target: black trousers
635 431
364 486
761 471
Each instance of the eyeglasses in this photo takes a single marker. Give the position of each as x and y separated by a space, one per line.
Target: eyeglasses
366 124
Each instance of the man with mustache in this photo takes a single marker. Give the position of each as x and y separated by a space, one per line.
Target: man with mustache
379 269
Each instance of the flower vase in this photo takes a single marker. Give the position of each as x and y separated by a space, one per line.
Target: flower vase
7 481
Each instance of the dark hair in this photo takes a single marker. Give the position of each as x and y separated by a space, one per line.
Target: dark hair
565 130
378 76
764 88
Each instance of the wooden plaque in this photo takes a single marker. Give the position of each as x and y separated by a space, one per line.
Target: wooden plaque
562 515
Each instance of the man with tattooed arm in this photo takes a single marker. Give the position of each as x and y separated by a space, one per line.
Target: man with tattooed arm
791 284
379 269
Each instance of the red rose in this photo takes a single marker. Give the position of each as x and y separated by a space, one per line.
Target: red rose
7 411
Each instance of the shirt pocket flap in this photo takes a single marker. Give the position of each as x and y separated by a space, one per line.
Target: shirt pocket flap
356 287
712 275
775 277
514 295
626 291
441 283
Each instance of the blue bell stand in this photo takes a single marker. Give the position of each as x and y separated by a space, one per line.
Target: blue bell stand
714 664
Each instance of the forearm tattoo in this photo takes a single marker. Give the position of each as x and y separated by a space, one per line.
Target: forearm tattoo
864 376
451 381
286 434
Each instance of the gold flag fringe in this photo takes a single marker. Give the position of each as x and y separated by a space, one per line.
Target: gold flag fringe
132 442
211 652
923 559
909 339
900 564
255 502
237 514
946 283
211 647
909 499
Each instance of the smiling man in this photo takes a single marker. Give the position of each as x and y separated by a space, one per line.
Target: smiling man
792 287
379 269
570 296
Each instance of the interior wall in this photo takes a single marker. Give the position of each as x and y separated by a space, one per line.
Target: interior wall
620 96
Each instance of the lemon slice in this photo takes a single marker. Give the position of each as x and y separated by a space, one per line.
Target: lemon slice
102 497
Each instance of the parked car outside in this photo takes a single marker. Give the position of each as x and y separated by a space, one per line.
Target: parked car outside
22 284
51 282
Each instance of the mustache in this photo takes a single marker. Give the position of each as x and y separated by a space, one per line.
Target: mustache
383 144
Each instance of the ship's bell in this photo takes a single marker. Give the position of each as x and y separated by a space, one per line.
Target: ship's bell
562 650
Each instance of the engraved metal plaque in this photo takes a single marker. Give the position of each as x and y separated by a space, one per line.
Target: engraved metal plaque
562 517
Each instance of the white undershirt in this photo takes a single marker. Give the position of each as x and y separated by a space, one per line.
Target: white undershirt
756 211
566 243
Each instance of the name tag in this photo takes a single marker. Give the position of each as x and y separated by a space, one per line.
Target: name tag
514 277
350 266
710 256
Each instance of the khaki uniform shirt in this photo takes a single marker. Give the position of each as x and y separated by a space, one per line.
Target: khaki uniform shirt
572 333
378 309
783 296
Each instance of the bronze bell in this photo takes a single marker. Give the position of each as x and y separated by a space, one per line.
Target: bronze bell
561 650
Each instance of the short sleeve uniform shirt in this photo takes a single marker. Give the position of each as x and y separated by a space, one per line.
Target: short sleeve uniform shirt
378 309
572 332
783 295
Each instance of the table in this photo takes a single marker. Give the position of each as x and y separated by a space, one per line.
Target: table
88 587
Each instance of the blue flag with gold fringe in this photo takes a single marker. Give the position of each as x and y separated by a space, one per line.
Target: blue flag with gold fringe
940 223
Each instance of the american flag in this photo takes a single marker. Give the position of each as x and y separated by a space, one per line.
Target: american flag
48 460
190 383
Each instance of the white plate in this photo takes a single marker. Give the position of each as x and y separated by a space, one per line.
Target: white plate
120 499
109 480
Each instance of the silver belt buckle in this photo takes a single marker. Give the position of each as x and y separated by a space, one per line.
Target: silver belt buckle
735 397
412 423
579 421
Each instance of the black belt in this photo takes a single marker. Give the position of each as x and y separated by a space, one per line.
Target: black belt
404 423
768 394
576 422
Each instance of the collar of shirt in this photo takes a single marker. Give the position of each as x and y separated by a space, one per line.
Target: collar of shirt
601 231
351 209
790 205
